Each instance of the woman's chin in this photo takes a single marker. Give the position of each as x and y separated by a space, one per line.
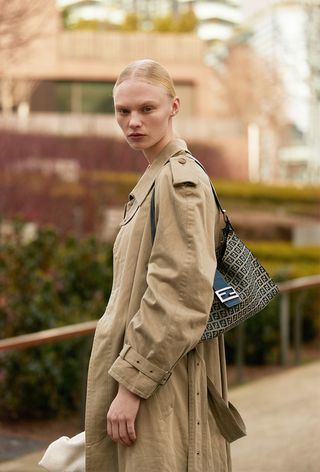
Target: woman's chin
136 146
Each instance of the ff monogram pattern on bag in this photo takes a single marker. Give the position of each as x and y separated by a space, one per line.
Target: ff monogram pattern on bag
248 278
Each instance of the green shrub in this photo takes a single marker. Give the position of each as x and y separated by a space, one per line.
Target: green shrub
261 338
276 199
46 283
266 192
43 381
285 261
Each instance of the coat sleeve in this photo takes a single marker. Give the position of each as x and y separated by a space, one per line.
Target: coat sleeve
175 307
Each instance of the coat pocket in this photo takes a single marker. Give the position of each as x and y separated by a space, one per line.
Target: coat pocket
164 397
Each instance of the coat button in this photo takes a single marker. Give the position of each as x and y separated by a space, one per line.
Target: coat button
182 160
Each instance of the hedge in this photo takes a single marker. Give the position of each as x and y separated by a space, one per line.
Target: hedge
46 283
251 192
79 205
286 261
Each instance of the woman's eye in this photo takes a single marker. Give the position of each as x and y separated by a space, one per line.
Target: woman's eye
123 111
147 109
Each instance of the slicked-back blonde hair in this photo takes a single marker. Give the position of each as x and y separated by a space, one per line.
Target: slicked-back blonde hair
149 71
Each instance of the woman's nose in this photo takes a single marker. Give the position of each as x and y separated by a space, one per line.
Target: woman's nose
135 120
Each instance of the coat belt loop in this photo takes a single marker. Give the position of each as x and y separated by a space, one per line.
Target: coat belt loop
124 351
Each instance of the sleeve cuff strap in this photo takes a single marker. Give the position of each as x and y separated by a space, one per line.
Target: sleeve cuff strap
143 365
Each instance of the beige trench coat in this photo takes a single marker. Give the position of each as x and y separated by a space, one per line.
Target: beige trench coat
148 337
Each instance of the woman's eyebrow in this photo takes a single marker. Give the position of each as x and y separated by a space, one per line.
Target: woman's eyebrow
141 105
120 107
148 102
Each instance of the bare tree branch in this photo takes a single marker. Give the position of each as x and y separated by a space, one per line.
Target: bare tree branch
21 23
251 87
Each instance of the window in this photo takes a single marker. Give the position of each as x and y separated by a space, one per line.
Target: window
73 97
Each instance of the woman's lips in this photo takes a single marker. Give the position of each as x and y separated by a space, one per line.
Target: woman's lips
136 136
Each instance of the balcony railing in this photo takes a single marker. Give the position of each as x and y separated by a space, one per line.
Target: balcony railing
113 47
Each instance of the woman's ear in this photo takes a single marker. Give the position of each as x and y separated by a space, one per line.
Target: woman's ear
175 107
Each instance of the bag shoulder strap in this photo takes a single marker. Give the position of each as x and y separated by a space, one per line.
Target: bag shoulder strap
153 215
212 187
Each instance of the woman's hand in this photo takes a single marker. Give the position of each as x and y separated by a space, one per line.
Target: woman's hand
122 415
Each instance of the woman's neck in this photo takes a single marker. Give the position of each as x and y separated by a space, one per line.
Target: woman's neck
153 152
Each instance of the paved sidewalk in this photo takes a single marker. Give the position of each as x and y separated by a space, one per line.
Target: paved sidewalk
26 463
282 415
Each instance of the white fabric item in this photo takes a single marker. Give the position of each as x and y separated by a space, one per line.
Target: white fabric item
65 455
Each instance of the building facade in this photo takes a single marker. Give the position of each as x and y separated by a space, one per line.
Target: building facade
287 34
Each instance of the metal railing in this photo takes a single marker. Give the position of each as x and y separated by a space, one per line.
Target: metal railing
290 286
47 336
88 327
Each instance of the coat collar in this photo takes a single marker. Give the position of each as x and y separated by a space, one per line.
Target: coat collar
145 183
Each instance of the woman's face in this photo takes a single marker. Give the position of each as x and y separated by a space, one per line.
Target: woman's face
144 112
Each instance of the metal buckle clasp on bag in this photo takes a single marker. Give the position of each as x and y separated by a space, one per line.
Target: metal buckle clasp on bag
226 293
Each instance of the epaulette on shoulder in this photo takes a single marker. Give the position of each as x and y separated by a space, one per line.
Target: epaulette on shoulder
183 170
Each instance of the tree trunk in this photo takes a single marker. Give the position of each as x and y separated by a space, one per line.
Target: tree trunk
6 98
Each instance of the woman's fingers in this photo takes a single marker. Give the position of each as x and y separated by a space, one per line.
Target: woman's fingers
116 436
131 431
121 430
109 427
123 433
121 417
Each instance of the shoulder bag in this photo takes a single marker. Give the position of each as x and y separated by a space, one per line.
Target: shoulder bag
241 286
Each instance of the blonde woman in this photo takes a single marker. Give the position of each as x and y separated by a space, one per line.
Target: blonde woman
148 408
